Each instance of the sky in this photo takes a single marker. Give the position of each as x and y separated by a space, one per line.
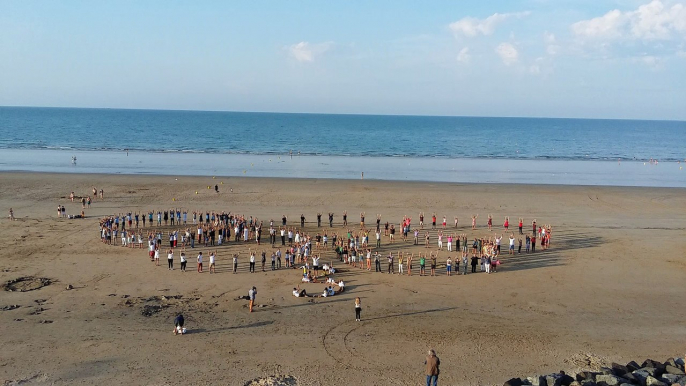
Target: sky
537 58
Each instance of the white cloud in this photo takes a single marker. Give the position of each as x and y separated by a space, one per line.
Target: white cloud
606 26
464 56
551 44
307 52
508 53
471 26
651 21
654 62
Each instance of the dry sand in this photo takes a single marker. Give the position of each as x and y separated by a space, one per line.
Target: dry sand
611 287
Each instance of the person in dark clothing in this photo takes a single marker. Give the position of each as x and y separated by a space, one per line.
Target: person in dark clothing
178 324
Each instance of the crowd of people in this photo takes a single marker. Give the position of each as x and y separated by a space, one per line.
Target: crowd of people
184 229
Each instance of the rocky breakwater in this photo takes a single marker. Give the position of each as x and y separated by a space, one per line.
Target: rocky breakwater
648 373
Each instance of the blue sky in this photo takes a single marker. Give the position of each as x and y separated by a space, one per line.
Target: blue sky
551 58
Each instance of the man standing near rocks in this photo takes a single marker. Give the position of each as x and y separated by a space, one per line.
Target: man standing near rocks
432 363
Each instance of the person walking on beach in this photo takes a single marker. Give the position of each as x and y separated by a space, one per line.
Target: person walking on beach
432 368
358 309
251 294
11 215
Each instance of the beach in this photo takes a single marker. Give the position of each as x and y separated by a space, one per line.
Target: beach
609 288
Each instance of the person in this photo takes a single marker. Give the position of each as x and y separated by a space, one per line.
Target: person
298 293
170 260
432 368
183 261
11 216
235 262
252 293
178 325
252 261
358 309
213 256
216 188
200 262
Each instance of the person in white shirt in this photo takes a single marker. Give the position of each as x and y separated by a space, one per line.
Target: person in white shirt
157 256
252 261
170 260
200 262
298 293
315 265
183 261
212 257
341 286
512 244
151 248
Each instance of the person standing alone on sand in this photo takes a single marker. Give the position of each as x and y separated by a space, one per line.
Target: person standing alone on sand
432 363
358 309
251 294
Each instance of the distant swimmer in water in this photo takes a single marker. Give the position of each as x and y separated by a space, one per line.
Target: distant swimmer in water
73 160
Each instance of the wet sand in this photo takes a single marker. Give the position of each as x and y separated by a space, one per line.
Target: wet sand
610 288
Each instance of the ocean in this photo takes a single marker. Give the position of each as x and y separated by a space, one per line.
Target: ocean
418 148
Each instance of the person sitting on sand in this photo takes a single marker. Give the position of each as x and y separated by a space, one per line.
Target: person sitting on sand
341 287
330 280
298 293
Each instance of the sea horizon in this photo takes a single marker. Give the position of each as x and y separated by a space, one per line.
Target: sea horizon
557 151
347 113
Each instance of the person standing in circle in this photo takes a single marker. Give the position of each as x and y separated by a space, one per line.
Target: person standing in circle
432 363
358 309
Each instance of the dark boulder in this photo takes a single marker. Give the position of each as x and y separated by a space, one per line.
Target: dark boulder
513 382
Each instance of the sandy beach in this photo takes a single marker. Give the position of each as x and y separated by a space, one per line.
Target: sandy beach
609 289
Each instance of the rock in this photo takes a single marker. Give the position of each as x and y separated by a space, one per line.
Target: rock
565 380
513 382
641 375
633 366
631 378
606 370
588 382
670 362
618 369
70 287
537 380
585 375
654 364
674 370
679 361
608 380
671 378
553 380
652 371
575 383
651 381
